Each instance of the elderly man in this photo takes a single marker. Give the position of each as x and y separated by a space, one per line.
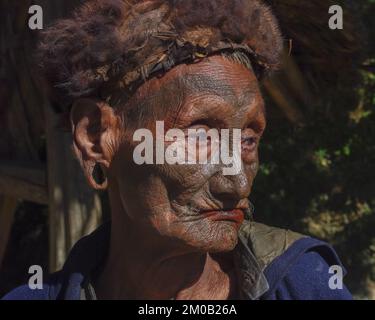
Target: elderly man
177 231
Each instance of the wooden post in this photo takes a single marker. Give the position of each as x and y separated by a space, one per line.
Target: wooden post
283 101
24 181
74 209
8 206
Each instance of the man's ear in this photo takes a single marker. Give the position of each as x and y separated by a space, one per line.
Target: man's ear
94 128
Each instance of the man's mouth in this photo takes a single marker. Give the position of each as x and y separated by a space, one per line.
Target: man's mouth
233 215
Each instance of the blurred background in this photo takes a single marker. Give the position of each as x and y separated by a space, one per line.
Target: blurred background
317 157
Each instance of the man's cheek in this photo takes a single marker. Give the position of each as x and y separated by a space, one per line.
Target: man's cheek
254 167
251 170
189 178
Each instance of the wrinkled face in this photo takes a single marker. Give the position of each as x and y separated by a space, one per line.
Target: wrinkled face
193 203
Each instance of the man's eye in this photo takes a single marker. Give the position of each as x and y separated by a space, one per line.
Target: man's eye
202 134
249 143
199 133
249 140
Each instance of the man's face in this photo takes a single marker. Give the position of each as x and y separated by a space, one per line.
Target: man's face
193 203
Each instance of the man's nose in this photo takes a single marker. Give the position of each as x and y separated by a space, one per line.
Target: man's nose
230 187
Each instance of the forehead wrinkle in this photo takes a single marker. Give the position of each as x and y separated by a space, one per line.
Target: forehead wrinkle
178 87
183 85
201 83
148 103
247 97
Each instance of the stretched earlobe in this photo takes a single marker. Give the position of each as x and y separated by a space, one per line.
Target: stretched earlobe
95 175
94 129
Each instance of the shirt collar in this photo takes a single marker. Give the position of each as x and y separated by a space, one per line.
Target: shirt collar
253 283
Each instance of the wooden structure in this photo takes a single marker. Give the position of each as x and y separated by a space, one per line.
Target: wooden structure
36 160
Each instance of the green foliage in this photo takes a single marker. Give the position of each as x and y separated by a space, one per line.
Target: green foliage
320 178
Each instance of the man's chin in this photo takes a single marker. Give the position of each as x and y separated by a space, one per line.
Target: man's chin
223 238
225 243
203 235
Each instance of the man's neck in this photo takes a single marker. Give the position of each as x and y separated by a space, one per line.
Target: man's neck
139 266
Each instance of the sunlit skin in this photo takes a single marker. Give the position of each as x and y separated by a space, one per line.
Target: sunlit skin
173 226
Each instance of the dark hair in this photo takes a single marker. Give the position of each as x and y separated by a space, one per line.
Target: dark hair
110 45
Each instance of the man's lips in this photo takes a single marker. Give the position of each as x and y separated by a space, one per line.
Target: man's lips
234 215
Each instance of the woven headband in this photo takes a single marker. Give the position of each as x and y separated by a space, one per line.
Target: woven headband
119 86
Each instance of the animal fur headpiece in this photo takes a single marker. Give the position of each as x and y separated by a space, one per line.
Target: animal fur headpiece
109 46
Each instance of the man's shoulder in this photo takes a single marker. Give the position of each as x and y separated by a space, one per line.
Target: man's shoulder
48 291
24 292
65 284
266 242
296 266
309 277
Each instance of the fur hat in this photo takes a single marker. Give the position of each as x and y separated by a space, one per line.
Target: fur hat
110 45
